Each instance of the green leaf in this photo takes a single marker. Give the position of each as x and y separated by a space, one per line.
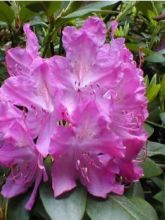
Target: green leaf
36 6
90 8
54 7
86 217
151 14
144 6
39 210
6 13
120 207
135 47
50 7
149 129
3 24
162 93
154 148
162 117
70 207
38 23
26 14
145 207
150 168
16 208
156 57
154 111
159 196
136 190
153 92
146 79
72 6
158 181
153 89
153 81
126 10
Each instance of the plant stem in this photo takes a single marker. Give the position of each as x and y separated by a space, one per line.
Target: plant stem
60 47
48 37
126 10
160 17
155 124
5 209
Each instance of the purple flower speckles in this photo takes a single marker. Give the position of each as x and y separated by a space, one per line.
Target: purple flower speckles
85 109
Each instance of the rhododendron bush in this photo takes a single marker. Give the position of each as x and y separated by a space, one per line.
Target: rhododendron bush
72 112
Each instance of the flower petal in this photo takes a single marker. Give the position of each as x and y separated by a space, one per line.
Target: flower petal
114 25
10 154
79 54
11 189
130 171
101 182
95 28
63 175
8 114
45 135
19 60
32 45
33 91
32 198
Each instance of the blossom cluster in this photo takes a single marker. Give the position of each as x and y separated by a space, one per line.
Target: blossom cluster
85 110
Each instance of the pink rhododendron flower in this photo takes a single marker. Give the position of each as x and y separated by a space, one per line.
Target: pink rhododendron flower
93 153
89 154
17 151
97 92
37 94
107 75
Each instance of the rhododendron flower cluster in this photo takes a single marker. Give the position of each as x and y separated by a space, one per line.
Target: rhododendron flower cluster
85 109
